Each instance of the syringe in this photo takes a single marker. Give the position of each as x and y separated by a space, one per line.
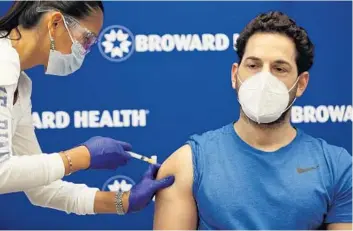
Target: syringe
143 158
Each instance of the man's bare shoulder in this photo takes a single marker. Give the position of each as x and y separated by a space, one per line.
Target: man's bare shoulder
179 164
175 206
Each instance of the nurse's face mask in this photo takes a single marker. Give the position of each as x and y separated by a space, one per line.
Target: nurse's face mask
60 64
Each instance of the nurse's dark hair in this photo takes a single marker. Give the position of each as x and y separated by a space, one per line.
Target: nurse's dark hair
25 13
278 22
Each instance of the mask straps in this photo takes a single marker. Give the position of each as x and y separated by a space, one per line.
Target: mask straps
52 44
290 104
290 91
238 77
296 81
68 31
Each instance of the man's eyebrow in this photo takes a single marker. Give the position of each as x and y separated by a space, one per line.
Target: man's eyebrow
253 58
278 61
281 61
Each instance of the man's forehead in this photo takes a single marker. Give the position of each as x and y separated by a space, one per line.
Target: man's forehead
270 47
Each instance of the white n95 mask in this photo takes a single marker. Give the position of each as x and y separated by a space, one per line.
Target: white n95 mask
263 97
64 64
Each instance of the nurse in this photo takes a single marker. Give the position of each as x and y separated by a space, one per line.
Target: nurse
57 35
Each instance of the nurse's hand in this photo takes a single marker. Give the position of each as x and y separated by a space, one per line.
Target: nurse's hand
107 153
142 193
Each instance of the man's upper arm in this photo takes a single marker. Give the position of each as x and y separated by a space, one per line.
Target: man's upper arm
340 212
340 226
175 206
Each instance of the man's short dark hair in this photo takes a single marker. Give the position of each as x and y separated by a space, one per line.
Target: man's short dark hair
278 22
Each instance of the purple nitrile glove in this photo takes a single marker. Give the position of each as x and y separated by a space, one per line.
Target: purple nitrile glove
107 153
142 193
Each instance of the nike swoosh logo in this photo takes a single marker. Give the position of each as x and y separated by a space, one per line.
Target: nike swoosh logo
302 170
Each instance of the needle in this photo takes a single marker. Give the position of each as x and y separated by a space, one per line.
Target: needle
143 158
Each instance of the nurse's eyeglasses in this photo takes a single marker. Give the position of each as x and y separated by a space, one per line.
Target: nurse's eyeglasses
77 33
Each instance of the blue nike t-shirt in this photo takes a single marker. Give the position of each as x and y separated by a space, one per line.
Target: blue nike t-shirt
300 186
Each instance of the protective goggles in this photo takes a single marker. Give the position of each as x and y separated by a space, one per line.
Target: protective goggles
77 33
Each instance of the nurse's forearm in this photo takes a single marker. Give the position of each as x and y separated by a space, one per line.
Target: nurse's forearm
80 159
105 202
19 173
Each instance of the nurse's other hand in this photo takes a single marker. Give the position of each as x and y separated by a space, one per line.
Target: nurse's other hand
142 193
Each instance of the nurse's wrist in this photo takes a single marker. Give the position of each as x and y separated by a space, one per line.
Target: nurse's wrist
79 158
105 202
125 198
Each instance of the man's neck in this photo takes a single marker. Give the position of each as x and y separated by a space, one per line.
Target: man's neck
265 138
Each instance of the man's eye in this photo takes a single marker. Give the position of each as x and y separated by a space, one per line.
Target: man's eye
280 70
252 66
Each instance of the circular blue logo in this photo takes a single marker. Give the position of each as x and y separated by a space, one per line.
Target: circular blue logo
116 43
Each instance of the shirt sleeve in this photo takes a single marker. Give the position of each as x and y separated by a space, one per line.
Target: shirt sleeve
25 172
60 195
340 210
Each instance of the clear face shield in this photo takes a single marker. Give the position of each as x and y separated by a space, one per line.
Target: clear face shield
78 34
82 40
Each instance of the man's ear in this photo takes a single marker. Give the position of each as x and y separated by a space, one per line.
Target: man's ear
302 83
234 75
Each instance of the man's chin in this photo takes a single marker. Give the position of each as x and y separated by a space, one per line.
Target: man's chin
274 124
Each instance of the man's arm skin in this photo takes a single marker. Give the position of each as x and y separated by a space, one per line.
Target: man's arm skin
175 207
339 226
